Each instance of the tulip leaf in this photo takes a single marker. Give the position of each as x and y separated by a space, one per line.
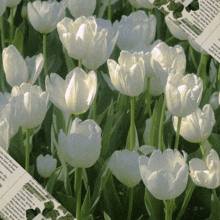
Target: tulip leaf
106 216
85 209
154 206
58 120
214 140
215 208
153 134
19 37
68 202
206 96
140 218
69 62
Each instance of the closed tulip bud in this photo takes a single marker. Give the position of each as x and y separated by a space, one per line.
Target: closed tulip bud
75 94
206 174
214 100
124 165
12 3
183 93
197 126
77 36
175 30
83 7
46 165
164 174
18 70
128 77
102 44
135 28
196 46
81 147
44 16
31 104
4 134
2 7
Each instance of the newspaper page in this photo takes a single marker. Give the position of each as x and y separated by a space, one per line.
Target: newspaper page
22 197
200 19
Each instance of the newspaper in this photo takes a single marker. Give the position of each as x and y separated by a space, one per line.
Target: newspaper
22 197
200 19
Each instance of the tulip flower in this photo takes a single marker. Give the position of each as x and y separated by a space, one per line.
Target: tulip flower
30 103
135 28
214 100
18 70
12 3
81 8
183 93
197 126
46 165
206 174
9 112
44 16
75 94
4 134
81 147
102 44
196 46
174 29
128 77
3 7
164 174
124 165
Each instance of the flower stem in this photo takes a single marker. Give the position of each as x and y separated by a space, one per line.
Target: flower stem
45 53
160 137
78 189
109 10
218 78
214 193
11 33
2 31
132 125
130 194
27 156
148 97
66 179
201 71
193 57
80 63
68 124
178 133
168 209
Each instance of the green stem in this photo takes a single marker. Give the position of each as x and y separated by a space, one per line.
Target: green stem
68 124
130 204
160 141
218 78
2 31
66 178
150 11
132 124
169 39
11 33
188 195
27 156
191 50
78 189
214 193
45 53
80 63
178 133
148 97
201 71
109 10
168 209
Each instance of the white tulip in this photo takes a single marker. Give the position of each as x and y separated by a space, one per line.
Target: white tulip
214 100
12 3
77 36
206 174
4 134
75 94
128 77
46 165
30 103
3 7
124 165
196 46
82 145
135 28
183 93
175 30
197 126
83 7
44 16
18 70
164 174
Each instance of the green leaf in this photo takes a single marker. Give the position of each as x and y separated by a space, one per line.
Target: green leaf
58 120
206 96
140 218
19 37
106 216
215 208
153 134
85 209
153 206
214 140
69 62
